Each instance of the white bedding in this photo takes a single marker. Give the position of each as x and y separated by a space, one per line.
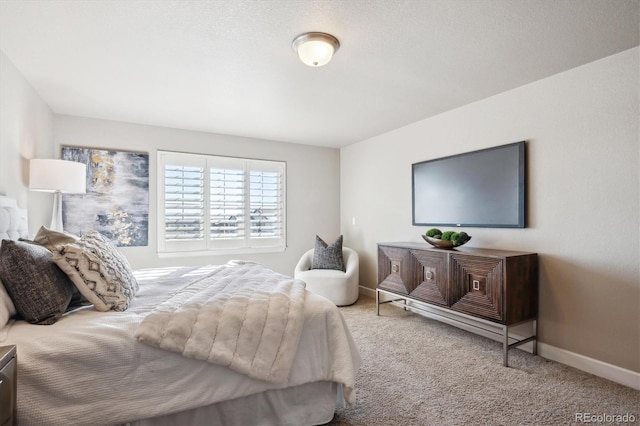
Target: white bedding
88 368
242 315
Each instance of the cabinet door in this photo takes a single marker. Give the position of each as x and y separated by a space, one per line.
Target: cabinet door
430 272
394 270
477 286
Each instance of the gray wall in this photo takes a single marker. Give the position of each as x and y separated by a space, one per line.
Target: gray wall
583 148
313 181
26 124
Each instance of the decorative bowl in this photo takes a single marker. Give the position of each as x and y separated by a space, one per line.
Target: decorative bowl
443 244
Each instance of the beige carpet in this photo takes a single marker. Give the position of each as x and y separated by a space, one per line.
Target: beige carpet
417 371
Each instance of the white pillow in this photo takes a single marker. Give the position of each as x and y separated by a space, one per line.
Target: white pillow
7 308
100 272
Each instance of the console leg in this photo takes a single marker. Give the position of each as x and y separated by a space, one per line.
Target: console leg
535 333
505 346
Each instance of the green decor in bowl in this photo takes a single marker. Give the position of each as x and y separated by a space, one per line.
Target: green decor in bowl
445 240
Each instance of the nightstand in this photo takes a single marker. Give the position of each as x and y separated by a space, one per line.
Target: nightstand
8 385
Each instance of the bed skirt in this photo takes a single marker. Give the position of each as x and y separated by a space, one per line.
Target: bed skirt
288 406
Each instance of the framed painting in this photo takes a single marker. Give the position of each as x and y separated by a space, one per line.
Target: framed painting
116 203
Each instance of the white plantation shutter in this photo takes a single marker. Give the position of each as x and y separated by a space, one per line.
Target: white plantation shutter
183 202
265 206
220 203
226 203
266 203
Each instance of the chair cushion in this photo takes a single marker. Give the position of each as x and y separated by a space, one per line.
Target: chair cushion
328 256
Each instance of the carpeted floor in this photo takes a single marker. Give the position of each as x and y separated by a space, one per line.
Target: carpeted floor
418 371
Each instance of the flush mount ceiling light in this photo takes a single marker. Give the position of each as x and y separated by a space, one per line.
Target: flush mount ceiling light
315 49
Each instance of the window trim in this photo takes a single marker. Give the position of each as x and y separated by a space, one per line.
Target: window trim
205 247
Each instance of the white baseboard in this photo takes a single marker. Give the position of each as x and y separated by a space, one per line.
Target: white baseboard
590 365
367 291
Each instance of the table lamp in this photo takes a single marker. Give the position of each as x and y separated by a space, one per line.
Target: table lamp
59 177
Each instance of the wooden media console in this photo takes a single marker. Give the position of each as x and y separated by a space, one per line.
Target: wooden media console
483 291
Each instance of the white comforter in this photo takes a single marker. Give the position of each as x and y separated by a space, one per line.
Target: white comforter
88 368
243 316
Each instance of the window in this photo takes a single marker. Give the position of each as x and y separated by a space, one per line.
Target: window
220 203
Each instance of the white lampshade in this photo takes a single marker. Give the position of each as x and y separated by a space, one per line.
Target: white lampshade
59 177
67 177
315 49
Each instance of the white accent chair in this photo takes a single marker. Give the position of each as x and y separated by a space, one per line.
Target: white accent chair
342 288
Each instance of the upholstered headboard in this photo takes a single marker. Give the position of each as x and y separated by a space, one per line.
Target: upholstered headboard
13 220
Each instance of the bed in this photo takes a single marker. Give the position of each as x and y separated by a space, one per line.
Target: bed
93 367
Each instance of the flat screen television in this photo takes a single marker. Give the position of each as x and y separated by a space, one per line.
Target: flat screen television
484 188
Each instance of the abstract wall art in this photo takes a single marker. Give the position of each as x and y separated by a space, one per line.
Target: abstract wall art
117 200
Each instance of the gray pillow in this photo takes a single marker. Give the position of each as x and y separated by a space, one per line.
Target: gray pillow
328 256
40 291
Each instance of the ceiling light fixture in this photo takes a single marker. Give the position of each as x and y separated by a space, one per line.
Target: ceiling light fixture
315 49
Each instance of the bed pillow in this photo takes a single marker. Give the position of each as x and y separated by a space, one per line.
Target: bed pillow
7 308
328 256
40 291
51 239
99 271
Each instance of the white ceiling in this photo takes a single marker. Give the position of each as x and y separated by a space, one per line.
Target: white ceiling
227 66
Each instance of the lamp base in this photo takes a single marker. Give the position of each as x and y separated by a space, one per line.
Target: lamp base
56 216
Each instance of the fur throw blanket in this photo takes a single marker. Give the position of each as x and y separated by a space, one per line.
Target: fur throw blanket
243 316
